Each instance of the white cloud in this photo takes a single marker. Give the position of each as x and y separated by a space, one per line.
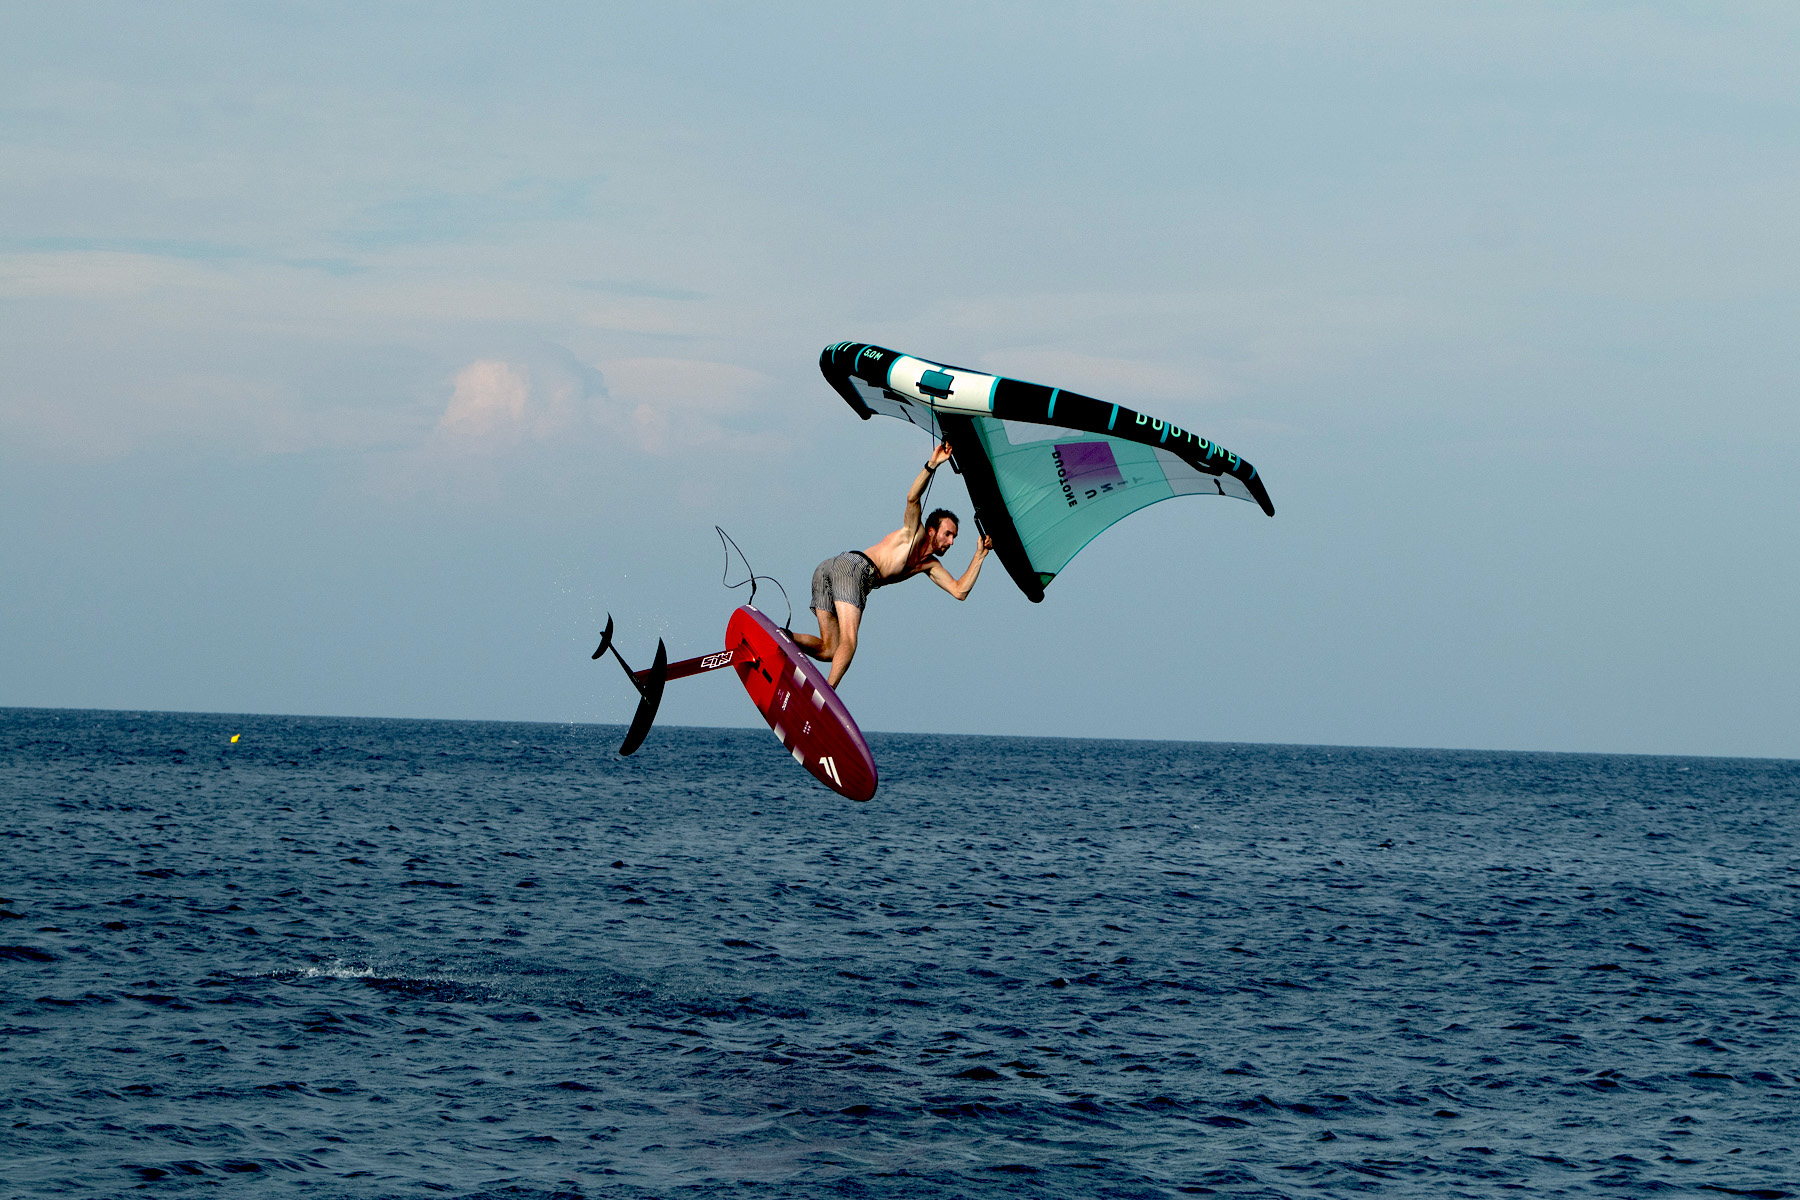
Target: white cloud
497 403
686 384
491 397
669 402
657 404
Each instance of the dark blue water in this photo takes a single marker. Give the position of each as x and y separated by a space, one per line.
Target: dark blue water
404 958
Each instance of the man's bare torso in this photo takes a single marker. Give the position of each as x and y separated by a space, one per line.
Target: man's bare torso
900 554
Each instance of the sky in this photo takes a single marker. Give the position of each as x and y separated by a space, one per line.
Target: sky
362 359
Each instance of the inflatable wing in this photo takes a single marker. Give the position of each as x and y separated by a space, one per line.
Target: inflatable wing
1047 470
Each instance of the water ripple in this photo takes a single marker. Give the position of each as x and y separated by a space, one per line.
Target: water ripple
389 958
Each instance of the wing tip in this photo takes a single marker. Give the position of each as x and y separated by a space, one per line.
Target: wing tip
1255 484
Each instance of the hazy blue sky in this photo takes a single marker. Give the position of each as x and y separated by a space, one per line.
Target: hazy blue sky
359 359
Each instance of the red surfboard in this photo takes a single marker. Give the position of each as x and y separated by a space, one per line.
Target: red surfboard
786 688
803 710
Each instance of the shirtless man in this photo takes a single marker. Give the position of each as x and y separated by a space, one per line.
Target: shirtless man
841 584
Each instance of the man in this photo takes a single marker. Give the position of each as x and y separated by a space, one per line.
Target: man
842 584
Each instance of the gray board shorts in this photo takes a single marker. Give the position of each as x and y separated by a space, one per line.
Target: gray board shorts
849 577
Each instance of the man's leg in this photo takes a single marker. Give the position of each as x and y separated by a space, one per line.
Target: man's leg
822 646
849 617
822 604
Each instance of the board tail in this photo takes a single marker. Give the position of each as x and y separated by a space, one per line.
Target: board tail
649 684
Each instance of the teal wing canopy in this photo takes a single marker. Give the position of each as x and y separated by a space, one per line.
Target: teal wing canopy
1047 470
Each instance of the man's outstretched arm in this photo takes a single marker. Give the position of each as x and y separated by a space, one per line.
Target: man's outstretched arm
915 496
960 588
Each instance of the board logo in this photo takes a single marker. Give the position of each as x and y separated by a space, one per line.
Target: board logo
830 768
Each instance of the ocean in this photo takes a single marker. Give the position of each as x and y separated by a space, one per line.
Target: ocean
385 958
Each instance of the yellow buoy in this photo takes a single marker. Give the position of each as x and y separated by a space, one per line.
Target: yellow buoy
235 737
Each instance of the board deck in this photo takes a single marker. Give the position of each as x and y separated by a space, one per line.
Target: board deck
803 710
